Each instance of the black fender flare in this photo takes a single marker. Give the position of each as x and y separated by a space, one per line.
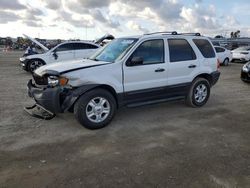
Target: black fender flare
75 94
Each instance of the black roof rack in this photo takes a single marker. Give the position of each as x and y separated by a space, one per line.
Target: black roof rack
163 32
173 33
192 34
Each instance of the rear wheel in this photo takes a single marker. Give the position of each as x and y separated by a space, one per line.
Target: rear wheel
199 93
34 64
95 109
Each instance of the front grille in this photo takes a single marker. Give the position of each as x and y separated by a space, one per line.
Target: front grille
40 80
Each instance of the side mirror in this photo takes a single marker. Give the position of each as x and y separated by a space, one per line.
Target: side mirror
135 61
55 55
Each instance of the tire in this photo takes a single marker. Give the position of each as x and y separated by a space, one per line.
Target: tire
226 62
98 115
34 64
196 99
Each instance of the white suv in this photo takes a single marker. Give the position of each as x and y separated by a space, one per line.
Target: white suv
129 71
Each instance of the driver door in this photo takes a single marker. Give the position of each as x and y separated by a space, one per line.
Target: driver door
147 80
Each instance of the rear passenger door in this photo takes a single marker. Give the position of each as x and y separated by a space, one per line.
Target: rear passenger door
183 62
84 50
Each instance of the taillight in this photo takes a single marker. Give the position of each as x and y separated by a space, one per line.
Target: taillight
218 64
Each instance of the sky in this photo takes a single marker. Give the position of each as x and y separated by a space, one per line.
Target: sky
91 19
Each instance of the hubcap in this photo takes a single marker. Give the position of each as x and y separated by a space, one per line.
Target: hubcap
35 64
98 109
200 93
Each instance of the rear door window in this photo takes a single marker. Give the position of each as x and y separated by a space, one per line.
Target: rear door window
65 47
205 48
84 46
180 50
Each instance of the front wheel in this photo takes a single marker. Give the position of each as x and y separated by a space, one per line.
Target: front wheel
34 64
199 93
95 109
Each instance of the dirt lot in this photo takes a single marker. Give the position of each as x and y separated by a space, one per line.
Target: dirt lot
164 145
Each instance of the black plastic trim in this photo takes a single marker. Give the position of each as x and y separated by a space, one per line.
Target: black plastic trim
215 77
153 94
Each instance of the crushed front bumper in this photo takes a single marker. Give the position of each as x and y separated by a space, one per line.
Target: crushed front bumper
48 98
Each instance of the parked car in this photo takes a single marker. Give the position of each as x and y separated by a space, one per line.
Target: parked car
245 72
72 50
241 53
129 71
224 55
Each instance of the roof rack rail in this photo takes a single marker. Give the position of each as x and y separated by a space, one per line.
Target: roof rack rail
163 32
173 33
192 34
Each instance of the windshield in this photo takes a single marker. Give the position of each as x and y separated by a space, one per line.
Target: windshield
114 50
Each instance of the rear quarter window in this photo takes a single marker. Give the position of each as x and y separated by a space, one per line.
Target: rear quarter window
205 47
219 50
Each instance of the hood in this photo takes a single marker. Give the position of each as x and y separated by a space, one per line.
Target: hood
106 36
68 66
36 42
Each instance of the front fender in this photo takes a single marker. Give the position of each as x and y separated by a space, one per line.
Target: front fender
75 94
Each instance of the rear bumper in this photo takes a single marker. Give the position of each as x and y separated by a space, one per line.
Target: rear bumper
240 59
215 77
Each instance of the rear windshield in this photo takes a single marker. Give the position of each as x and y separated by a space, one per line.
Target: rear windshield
205 47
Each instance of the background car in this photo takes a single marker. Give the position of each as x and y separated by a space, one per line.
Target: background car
241 53
62 52
224 55
71 50
245 73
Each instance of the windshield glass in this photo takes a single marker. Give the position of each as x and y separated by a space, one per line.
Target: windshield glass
114 50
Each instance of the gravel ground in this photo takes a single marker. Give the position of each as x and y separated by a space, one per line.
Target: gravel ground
164 145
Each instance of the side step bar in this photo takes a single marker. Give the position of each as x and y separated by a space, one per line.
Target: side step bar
39 112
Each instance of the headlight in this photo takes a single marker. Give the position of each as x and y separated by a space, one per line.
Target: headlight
246 67
22 58
57 81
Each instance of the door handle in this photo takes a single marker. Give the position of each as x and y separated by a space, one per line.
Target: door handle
191 66
159 70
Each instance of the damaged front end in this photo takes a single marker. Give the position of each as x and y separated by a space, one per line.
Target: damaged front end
51 93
